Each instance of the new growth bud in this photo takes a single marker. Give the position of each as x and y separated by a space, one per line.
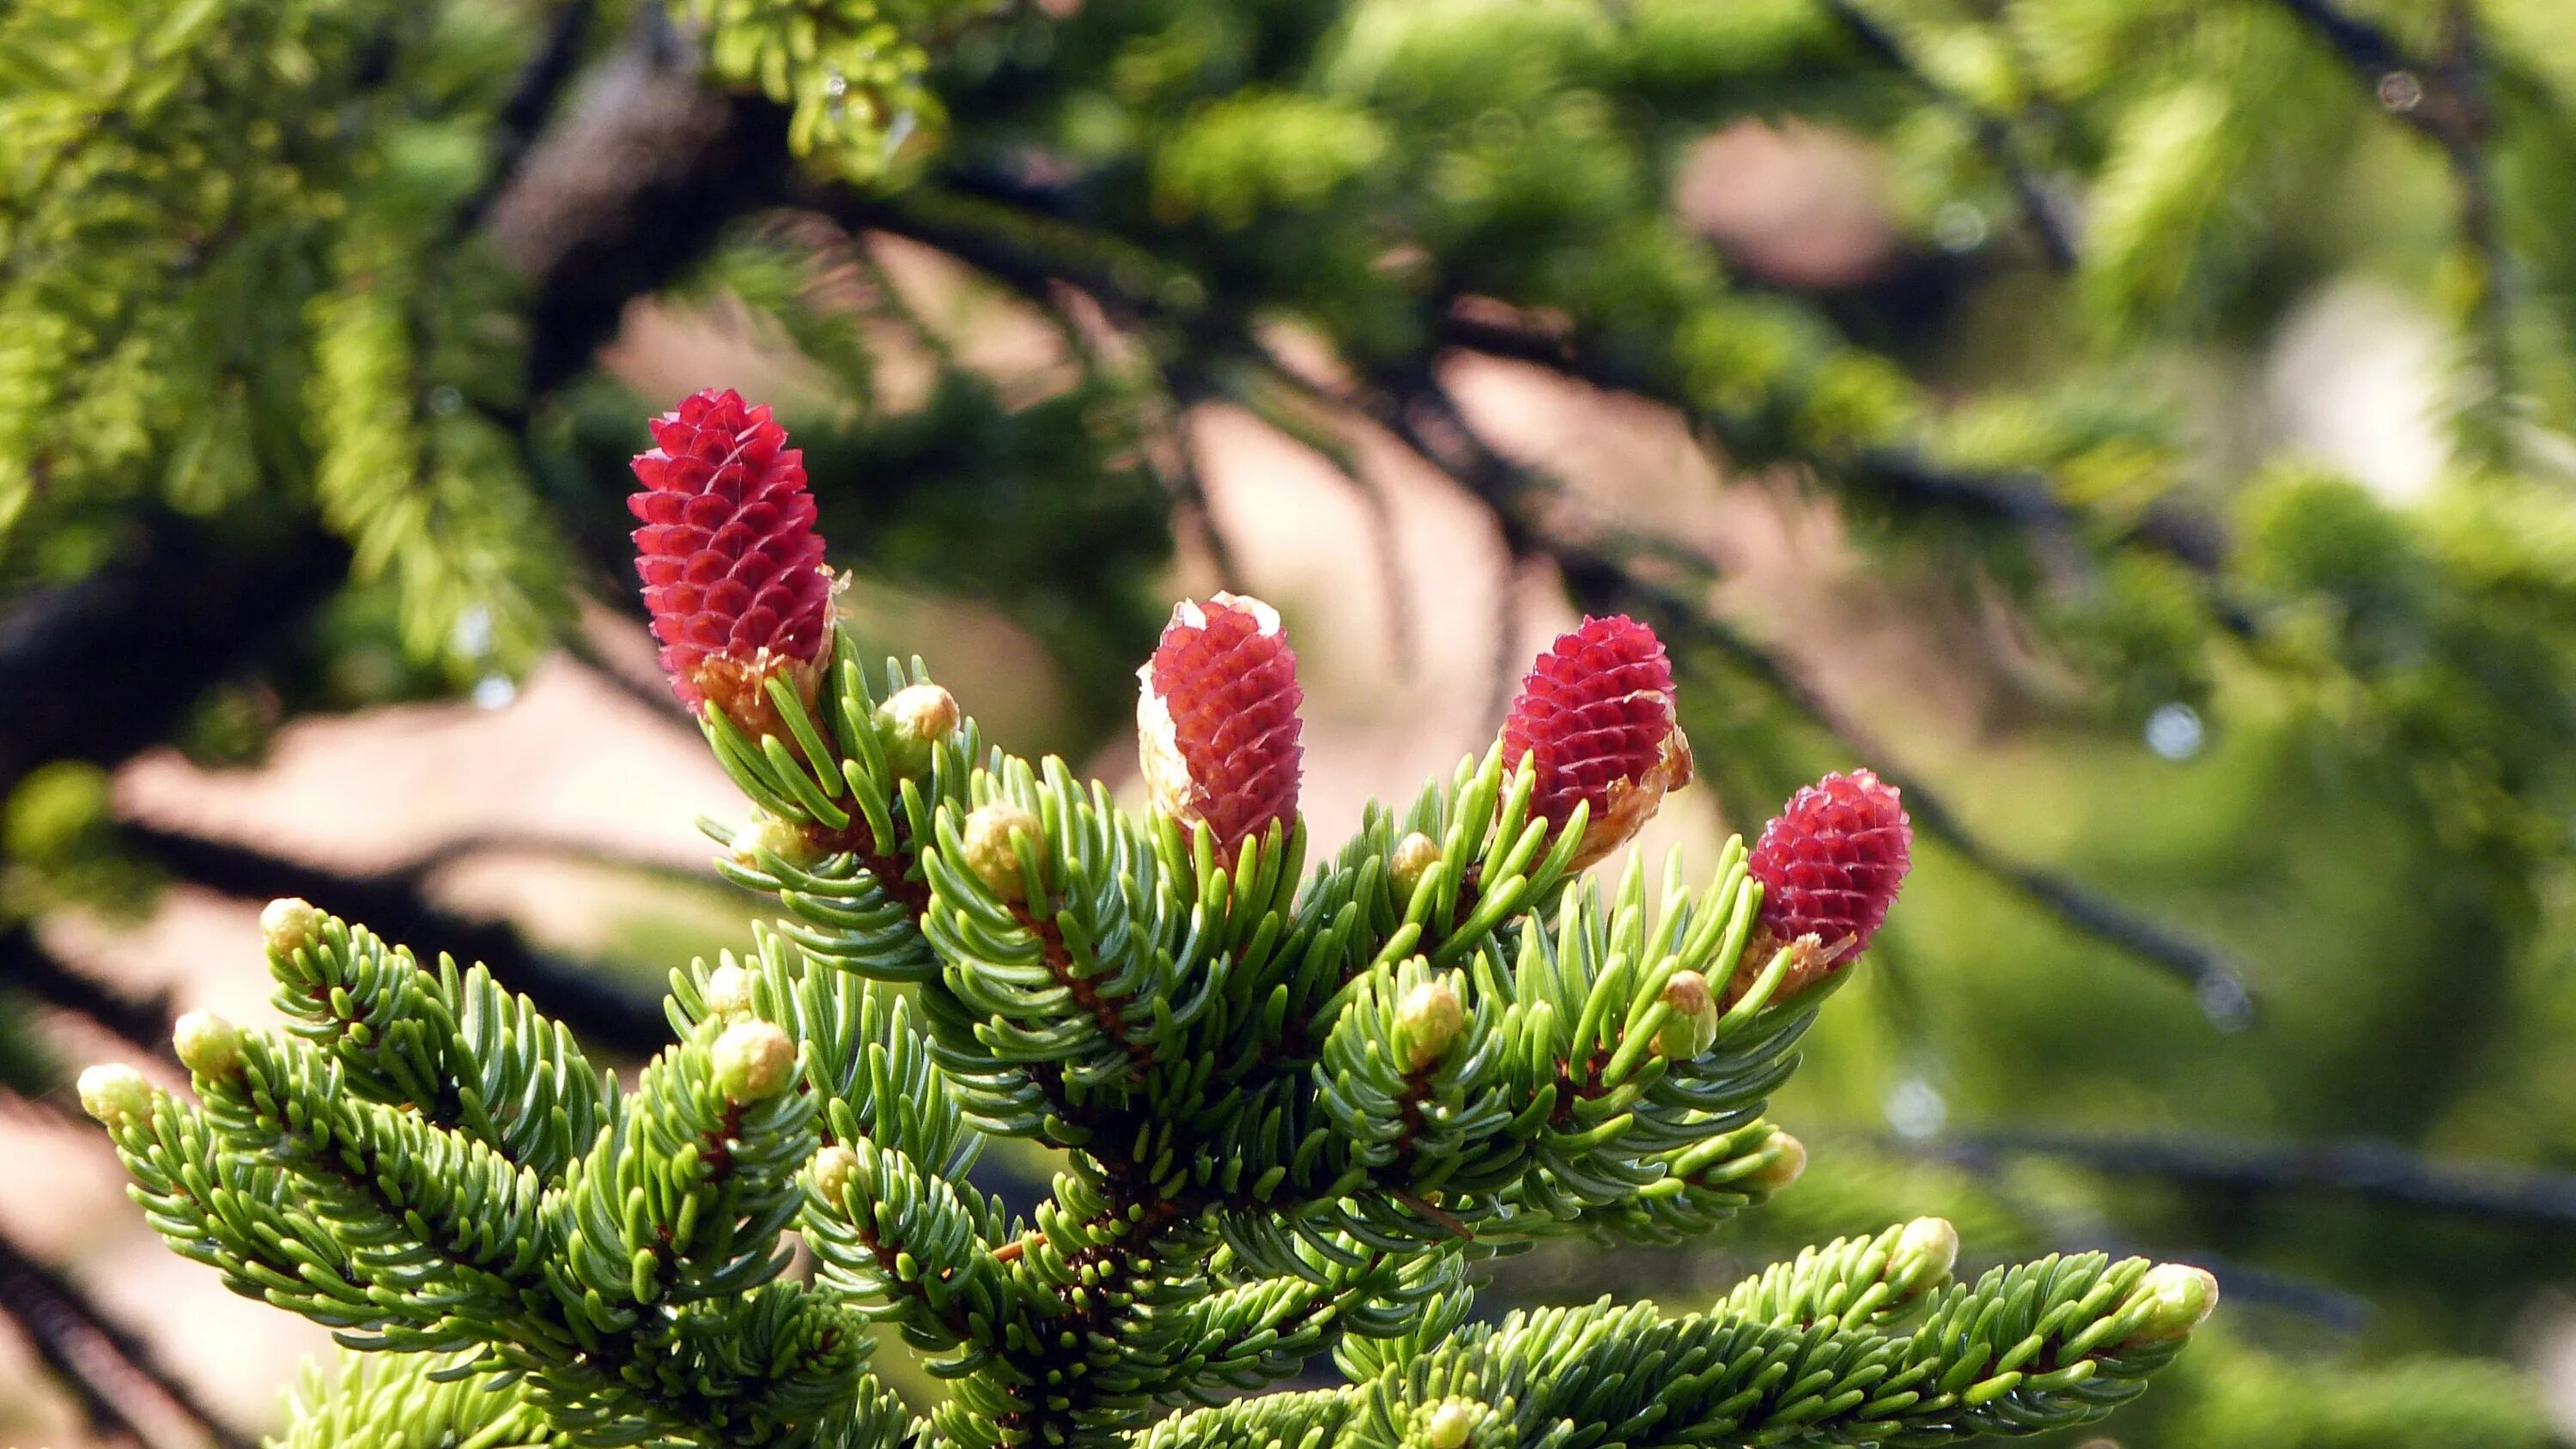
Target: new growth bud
1788 1163
1831 863
1924 1254
912 722
832 1168
764 833
115 1094
728 991
1692 1027
1452 1424
732 569
291 924
1216 720
1410 861
1596 718
2176 1298
990 856
209 1045
1428 1021
754 1061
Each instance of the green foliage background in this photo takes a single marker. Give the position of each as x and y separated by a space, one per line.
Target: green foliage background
260 286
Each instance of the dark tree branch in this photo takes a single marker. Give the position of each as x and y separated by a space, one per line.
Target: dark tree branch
625 194
28 966
530 104
652 695
2043 208
2445 100
2373 1172
1187 483
595 1006
2378 61
100 669
105 1367
2023 499
1386 540
415 873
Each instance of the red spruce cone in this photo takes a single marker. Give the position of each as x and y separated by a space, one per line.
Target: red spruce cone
1597 717
733 571
1830 866
1216 719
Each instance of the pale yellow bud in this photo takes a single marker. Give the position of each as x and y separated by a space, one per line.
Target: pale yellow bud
1924 1254
832 1168
1428 1021
1410 861
990 855
754 1061
1692 1027
728 991
208 1044
115 1094
1787 1165
911 722
766 834
2177 1298
1452 1424
291 924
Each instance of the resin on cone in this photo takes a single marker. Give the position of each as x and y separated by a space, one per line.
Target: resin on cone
1216 719
1597 718
1830 865
732 569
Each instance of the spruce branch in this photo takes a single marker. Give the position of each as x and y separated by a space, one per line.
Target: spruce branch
451 1045
351 1402
1292 1106
2051 1344
1853 1282
585 998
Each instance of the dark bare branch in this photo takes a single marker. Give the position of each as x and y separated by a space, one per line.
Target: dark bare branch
108 1369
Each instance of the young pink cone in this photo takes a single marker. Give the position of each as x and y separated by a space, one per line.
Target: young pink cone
1597 718
732 569
1830 866
1216 719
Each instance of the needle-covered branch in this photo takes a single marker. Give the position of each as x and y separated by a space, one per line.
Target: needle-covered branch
1293 1106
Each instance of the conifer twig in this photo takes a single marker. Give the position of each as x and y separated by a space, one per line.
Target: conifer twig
582 996
1187 484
